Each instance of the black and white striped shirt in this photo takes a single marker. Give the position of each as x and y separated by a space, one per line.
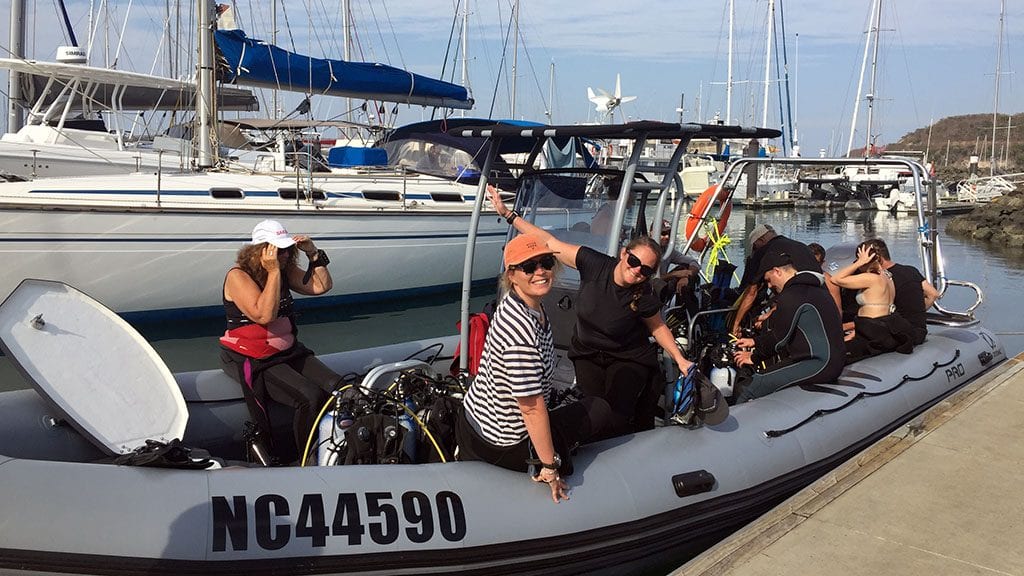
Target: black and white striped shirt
518 361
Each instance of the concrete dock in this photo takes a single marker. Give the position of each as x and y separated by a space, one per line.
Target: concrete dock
942 495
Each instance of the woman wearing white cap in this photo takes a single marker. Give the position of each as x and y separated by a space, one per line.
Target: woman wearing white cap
260 348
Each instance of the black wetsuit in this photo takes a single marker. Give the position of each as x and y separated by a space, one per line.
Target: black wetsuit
800 255
806 335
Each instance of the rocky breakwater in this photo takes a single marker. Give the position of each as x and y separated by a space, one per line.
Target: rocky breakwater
1000 221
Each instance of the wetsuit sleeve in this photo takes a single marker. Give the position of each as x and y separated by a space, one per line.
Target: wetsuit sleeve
766 344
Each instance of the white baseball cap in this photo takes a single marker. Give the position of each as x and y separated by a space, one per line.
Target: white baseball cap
272 231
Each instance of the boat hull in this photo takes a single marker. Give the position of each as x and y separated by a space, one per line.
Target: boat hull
178 243
631 505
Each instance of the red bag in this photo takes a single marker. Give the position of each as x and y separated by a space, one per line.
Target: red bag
478 325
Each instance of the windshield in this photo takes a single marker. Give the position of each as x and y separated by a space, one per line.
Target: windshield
431 158
578 206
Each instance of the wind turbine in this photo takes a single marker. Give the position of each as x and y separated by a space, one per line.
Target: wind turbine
606 103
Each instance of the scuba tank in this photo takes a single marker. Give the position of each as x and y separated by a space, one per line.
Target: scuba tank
331 432
723 372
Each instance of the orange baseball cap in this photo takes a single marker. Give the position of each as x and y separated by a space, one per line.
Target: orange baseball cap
523 248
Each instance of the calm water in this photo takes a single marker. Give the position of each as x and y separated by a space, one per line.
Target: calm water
1000 273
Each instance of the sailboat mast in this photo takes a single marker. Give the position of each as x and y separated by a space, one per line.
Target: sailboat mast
796 98
870 97
204 99
515 56
729 80
273 40
551 93
875 7
465 46
995 104
346 34
768 61
15 118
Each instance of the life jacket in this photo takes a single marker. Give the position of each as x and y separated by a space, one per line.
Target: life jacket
693 220
478 325
260 341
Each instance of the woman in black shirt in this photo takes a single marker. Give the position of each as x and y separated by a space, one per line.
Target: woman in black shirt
617 312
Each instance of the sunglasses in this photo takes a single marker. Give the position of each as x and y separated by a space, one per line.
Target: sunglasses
546 262
635 262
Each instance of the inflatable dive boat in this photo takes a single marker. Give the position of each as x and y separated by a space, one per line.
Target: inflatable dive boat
640 502
637 502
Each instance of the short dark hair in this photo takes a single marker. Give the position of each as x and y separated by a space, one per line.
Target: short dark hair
818 250
878 246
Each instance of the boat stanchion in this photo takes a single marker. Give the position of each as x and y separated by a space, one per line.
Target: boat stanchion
691 483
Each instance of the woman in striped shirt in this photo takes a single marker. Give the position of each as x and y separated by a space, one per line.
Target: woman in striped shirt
617 313
506 421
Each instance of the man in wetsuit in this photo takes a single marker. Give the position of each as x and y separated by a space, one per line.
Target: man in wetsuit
804 344
763 239
914 294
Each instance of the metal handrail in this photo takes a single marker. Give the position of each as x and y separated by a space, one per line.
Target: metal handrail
929 249
979 297
695 317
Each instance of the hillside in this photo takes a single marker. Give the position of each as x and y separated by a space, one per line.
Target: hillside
964 136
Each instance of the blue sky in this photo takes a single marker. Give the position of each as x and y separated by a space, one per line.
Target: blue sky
937 57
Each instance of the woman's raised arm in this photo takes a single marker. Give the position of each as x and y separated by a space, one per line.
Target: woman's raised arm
564 251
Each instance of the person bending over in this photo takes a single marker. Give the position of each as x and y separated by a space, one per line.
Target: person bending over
877 328
761 240
617 312
506 421
260 348
805 342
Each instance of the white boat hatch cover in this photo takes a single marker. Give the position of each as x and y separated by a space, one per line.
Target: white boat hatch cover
100 372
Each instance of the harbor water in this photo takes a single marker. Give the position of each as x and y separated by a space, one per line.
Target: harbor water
192 345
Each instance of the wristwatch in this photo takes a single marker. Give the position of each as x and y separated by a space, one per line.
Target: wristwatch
555 464
511 217
320 258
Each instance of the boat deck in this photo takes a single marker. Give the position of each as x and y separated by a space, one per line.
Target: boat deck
941 495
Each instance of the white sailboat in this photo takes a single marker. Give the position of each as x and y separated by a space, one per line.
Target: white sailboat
158 243
995 185
774 183
64 134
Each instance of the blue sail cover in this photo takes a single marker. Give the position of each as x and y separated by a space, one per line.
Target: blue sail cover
250 62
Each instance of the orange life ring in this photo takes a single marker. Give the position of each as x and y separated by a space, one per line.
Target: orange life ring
693 219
